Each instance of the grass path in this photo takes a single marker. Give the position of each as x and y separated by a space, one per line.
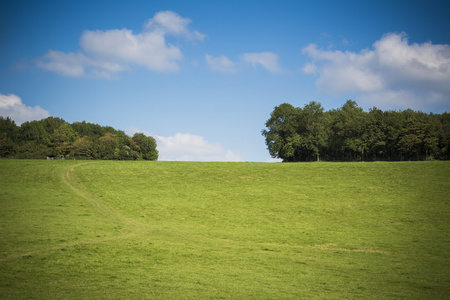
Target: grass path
67 177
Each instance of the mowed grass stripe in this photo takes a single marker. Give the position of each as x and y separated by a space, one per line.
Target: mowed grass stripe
176 230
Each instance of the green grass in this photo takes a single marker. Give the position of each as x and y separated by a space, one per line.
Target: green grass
181 230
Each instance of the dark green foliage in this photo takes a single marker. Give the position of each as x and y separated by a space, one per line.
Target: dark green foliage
281 136
145 145
8 137
351 134
54 137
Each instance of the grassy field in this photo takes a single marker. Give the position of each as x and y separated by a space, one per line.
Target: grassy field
183 230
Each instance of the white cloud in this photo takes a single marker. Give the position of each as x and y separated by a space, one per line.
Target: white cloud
67 64
404 98
394 72
171 22
274 160
341 72
131 130
189 147
221 63
105 53
78 65
310 68
12 106
124 47
267 60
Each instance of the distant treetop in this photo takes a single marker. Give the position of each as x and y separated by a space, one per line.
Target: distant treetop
351 134
54 137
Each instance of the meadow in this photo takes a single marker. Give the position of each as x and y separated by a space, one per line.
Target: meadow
198 230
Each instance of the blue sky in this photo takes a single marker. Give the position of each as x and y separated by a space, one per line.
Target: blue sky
202 77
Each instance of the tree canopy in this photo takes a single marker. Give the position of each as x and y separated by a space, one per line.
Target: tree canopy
54 137
351 134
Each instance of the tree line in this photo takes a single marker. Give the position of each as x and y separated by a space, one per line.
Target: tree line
351 134
56 138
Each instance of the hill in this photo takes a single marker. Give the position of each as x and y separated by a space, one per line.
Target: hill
143 229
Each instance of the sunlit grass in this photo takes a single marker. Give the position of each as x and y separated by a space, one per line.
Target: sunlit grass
73 229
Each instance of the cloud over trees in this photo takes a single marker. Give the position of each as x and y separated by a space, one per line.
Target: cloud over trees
13 107
190 147
393 71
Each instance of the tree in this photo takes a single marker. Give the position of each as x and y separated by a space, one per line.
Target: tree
55 137
8 128
145 146
374 134
296 134
51 124
32 149
33 131
7 146
348 126
311 128
107 146
8 137
63 138
280 135
444 136
349 133
82 147
416 140
84 128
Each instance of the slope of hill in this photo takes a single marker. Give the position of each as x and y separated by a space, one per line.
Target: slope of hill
124 230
